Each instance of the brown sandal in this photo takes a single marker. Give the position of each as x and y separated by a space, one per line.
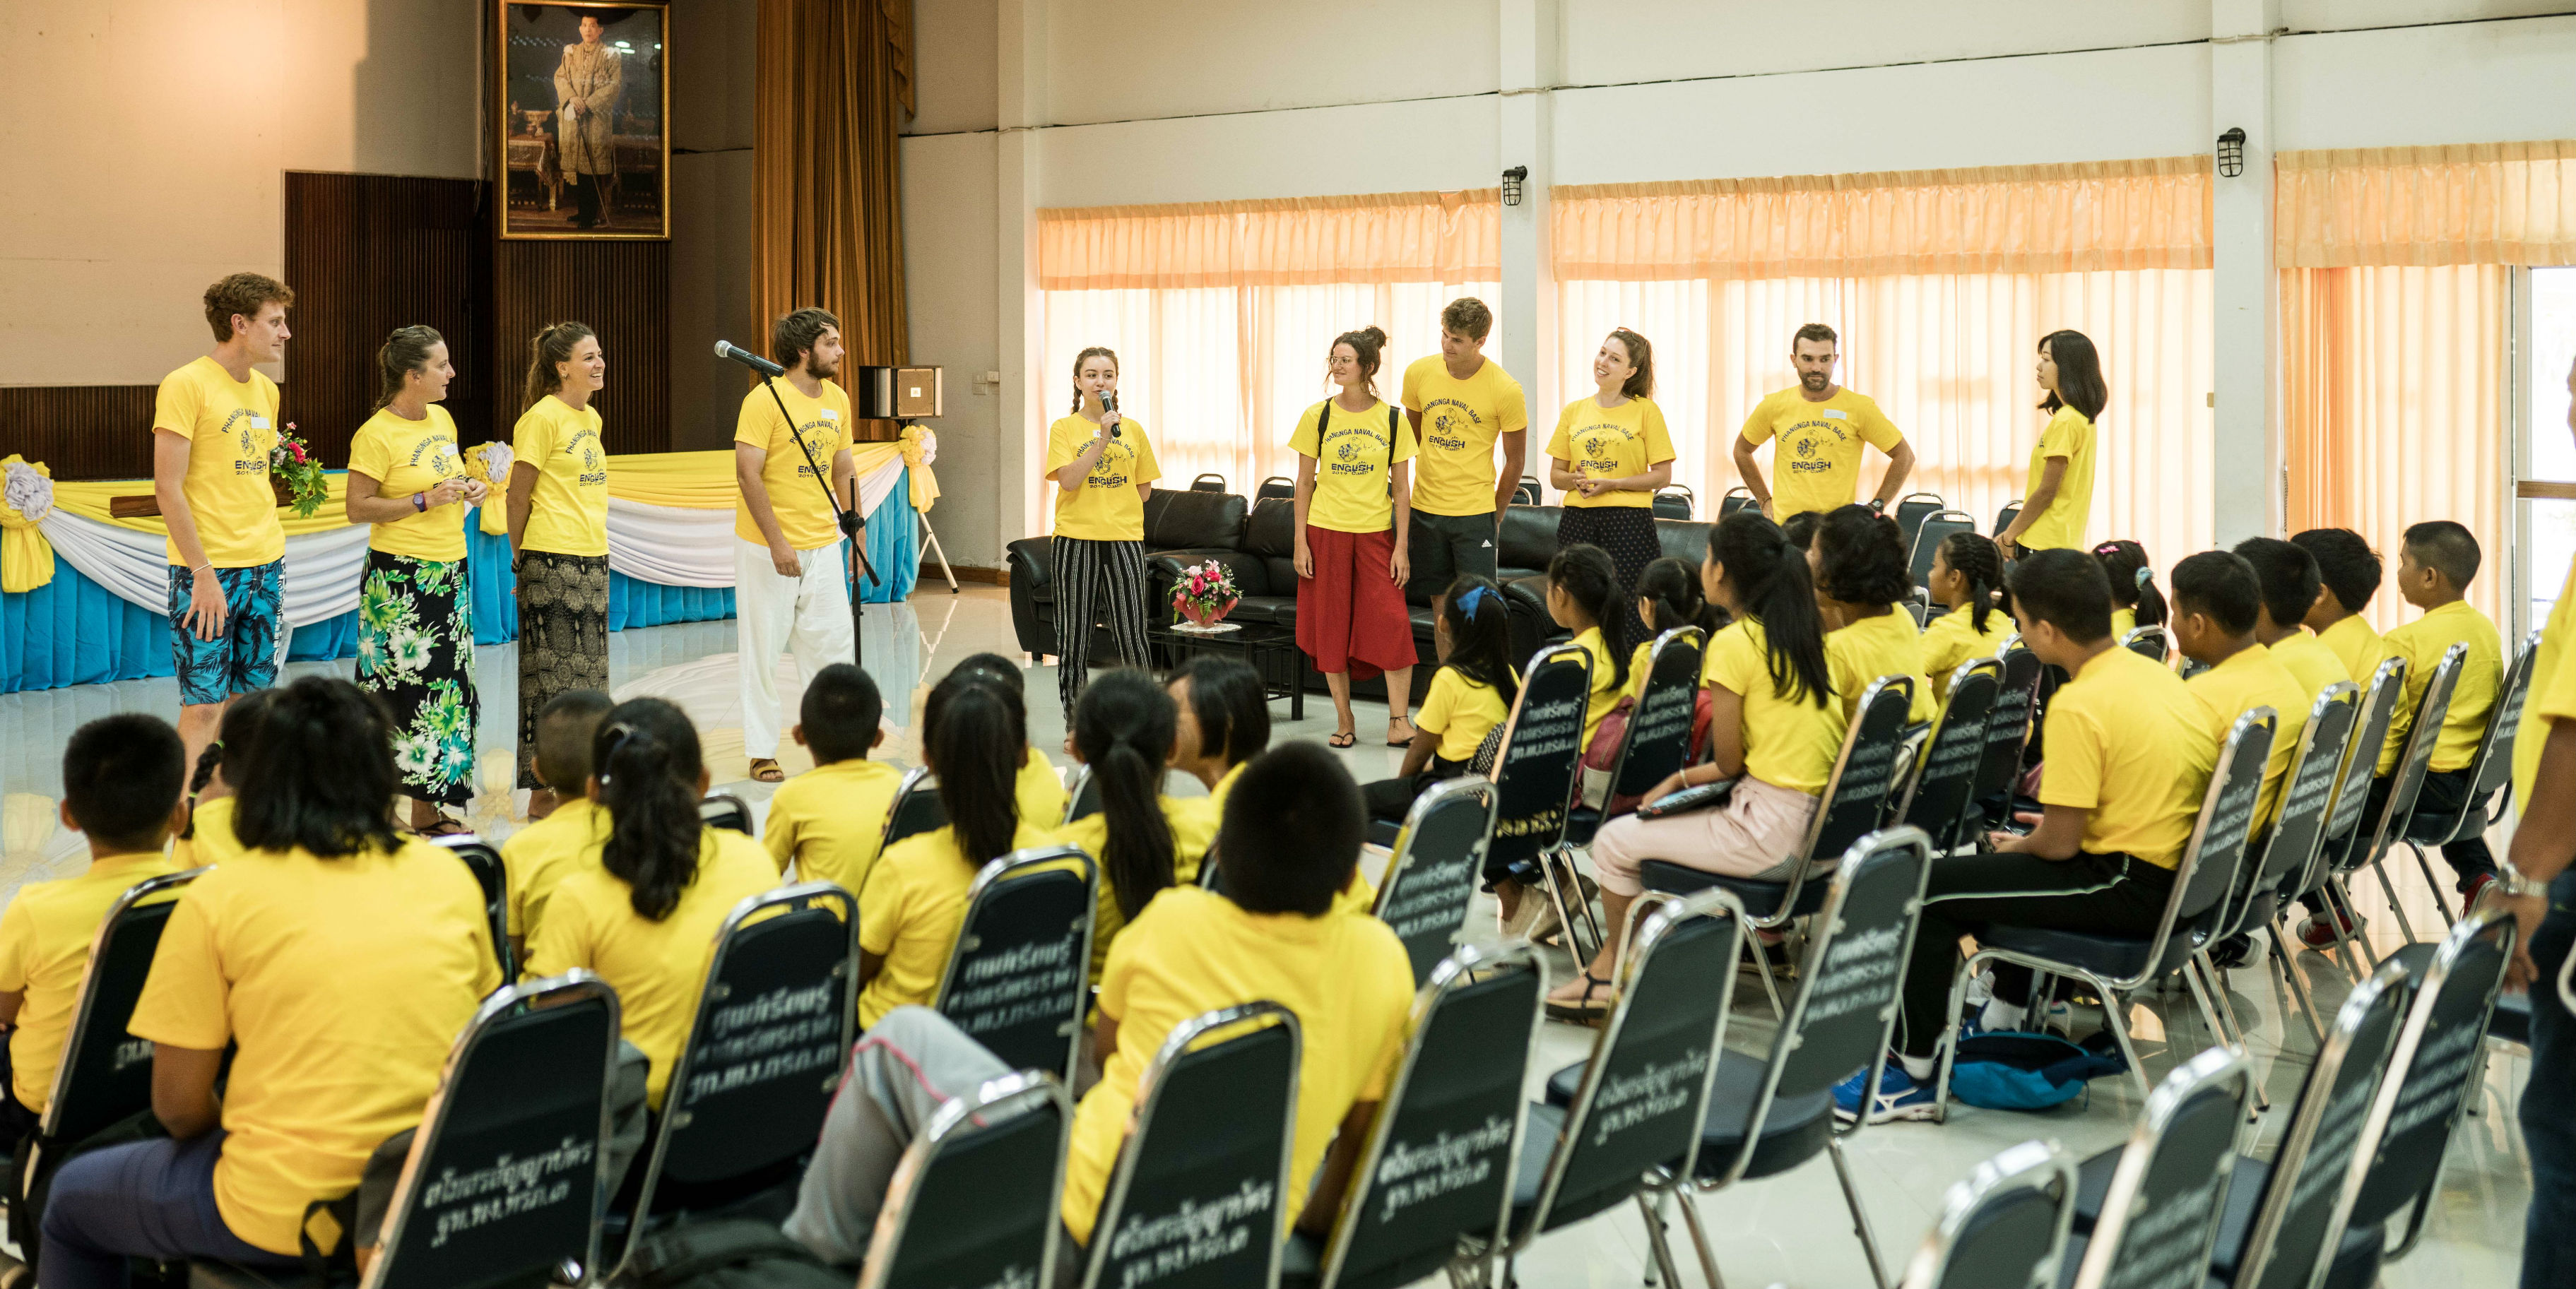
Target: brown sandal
765 770
1585 1010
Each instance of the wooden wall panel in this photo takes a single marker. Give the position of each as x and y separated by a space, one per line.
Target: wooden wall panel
623 290
81 431
367 254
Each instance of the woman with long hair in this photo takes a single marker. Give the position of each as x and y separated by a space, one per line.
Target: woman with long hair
1103 465
558 534
1354 508
1774 729
336 958
2058 498
415 625
1609 455
646 913
1123 728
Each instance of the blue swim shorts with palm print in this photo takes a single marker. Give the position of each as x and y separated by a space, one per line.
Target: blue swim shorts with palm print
243 657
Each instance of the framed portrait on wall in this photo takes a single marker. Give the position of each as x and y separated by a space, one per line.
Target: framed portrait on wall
582 119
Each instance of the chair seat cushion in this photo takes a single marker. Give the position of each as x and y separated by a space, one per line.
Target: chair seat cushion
2103 955
1278 609
2512 1019
1792 1133
1538 1140
1761 899
1580 824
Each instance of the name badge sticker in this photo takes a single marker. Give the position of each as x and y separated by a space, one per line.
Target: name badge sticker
830 415
258 422
1836 414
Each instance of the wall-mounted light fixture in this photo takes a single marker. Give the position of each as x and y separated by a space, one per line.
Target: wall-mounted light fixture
2231 152
1512 181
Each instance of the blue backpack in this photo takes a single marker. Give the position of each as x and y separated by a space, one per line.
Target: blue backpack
2013 1070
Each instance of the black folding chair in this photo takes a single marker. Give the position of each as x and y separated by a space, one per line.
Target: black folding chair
1277 485
2490 777
1019 979
2422 739
1657 743
1940 796
1769 1114
1528 494
2298 833
1631 1129
1536 776
494 877
1910 512
916 807
1208 481
725 810
2281 1216
2015 727
1736 498
2004 1227
2160 1212
1437 1165
2322 878
2150 643
106 1074
1431 879
747 1096
1081 794
1205 1169
974 1201
1934 529
1673 501
505 1181
2117 965
2004 518
1854 800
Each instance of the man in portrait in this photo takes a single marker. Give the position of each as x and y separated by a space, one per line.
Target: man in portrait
587 86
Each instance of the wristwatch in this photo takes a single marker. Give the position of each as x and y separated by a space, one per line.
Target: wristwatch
420 502
1877 506
2511 881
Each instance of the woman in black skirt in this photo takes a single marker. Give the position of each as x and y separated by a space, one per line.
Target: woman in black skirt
1609 455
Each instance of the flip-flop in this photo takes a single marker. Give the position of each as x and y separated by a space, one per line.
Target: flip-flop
765 770
443 826
1585 1010
1406 741
1341 739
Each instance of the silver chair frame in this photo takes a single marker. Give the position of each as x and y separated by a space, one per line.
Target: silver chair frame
2490 770
1435 798
2214 1066
1001 869
996 1101
2030 1166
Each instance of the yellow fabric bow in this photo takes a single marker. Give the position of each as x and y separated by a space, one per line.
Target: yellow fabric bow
919 448
26 558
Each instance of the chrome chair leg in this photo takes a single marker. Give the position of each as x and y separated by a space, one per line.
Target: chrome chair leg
2433 884
2211 993
2389 888
1860 1218
1660 1267
2115 1017
1699 1239
1762 968
2297 981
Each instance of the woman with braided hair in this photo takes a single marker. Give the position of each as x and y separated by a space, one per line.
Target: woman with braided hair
1968 580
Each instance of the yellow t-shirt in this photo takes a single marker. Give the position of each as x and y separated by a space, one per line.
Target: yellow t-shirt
407 458
658 968
2126 740
2252 678
2422 643
45 938
2553 688
1461 712
230 427
1190 952
568 512
345 981
1817 465
1596 442
2309 662
538 857
1108 507
1788 742
2071 436
1039 792
1605 685
2358 646
831 820
823 427
909 913
214 841
1952 639
1460 421
1192 830
1886 645
2123 621
1351 465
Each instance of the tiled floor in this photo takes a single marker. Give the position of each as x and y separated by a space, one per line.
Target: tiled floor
1789 1229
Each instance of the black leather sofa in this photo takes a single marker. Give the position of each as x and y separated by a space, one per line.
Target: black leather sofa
1257 544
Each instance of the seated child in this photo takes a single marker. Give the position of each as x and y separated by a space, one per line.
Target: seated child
831 819
121 780
538 857
1774 728
1858 564
1471 694
1583 597
1223 721
2135 601
1273 936
1144 842
1967 579
1038 788
1668 597
2129 755
2217 602
2288 575
2351 573
644 914
336 957
208 837
974 739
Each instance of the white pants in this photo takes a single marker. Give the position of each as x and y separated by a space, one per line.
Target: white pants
810 612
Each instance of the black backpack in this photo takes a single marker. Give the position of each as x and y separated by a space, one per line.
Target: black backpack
727 1253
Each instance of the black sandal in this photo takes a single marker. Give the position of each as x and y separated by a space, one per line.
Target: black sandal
1585 1010
1342 739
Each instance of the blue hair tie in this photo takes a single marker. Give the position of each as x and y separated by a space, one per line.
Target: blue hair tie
2145 575
1475 597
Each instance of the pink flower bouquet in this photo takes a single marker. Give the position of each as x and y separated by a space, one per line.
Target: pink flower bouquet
1204 593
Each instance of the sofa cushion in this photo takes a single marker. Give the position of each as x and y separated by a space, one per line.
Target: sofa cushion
1177 519
1529 537
1272 529
1683 539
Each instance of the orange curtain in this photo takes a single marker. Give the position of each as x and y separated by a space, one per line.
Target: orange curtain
834 84
2393 391
2485 203
1302 241
2146 214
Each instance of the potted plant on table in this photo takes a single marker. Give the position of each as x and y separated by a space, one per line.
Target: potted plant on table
1203 594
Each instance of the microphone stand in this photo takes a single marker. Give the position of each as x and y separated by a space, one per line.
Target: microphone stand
851 525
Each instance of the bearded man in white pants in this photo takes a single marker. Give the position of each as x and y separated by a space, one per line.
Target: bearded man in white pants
789 585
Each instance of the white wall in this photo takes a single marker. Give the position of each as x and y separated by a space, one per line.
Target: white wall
1142 101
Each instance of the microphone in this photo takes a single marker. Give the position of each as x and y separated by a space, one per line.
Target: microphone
725 349
1109 406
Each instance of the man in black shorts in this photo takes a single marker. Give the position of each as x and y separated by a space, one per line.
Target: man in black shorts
1461 404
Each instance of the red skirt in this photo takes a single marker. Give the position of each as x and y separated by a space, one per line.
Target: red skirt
1350 614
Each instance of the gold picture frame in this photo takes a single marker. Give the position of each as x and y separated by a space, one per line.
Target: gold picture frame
560 69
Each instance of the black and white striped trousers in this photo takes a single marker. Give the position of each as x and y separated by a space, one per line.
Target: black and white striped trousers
1094 579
